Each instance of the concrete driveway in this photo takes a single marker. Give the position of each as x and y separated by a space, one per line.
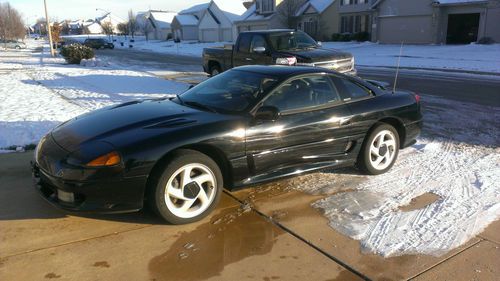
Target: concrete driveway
262 233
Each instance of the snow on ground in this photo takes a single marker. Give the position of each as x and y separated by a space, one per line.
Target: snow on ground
472 57
39 92
457 158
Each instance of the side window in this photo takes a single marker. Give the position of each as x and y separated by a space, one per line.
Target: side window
258 41
244 44
304 92
350 90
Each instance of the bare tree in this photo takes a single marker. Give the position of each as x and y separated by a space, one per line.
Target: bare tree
11 24
123 28
55 30
146 27
287 11
107 28
132 23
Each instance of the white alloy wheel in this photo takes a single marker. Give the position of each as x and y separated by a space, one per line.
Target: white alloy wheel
215 71
190 190
383 149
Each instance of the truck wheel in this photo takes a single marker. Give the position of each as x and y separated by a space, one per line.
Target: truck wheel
215 70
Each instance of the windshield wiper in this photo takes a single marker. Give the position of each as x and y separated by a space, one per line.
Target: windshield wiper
179 98
199 105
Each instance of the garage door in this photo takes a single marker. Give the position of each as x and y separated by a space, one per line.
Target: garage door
227 34
408 30
258 27
209 35
462 28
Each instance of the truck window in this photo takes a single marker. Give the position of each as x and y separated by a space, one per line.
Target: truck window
244 44
258 41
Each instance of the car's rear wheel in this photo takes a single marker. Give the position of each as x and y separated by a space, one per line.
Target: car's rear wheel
380 150
188 189
215 70
18 47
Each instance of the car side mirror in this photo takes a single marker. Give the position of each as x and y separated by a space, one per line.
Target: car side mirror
259 50
267 113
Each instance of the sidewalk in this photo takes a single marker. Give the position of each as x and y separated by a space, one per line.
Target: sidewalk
280 238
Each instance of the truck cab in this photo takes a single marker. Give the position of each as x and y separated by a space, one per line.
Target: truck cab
280 47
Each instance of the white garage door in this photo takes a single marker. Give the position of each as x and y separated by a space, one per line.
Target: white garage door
258 27
227 34
209 35
409 30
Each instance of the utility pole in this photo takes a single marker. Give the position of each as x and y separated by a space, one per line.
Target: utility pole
52 53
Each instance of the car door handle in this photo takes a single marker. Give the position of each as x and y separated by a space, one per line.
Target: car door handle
345 121
248 59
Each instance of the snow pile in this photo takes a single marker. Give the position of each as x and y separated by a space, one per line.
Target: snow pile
458 158
39 92
94 62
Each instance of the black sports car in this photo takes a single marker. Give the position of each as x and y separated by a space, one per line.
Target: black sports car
245 126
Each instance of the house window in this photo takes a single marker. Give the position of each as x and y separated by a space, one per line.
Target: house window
267 6
354 24
353 2
311 27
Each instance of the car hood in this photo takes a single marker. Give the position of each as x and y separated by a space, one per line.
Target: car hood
317 55
126 120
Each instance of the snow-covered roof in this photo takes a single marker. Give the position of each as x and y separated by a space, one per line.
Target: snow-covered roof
455 2
194 9
162 19
251 15
318 5
187 19
231 8
109 17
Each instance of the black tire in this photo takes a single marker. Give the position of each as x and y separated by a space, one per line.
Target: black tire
180 158
365 155
215 69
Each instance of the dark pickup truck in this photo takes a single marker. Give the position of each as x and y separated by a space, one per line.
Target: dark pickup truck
282 47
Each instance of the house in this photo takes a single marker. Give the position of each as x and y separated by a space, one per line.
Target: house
318 18
185 23
161 24
356 16
91 27
262 15
112 19
217 21
436 21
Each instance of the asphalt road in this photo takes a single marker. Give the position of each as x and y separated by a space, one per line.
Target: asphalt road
481 89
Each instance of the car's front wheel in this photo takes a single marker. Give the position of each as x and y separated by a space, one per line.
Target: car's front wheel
215 70
380 150
188 189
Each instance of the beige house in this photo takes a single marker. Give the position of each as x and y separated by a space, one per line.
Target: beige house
318 18
436 21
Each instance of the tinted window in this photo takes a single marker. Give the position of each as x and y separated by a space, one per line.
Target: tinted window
304 92
351 90
292 40
244 44
258 41
231 91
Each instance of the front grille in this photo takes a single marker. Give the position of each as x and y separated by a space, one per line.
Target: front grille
343 65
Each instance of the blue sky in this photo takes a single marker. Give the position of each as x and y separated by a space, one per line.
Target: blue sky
85 9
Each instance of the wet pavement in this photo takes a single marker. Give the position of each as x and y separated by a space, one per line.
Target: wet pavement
268 232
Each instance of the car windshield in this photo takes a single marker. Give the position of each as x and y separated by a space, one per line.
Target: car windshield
233 91
292 40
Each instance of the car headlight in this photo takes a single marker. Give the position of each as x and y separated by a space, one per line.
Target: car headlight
109 159
286 61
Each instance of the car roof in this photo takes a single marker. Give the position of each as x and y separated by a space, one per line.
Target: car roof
282 70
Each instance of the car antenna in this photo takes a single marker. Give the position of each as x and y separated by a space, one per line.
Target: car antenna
397 68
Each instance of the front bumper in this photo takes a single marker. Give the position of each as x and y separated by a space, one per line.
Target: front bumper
103 196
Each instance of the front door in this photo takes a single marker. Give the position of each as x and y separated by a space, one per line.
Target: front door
311 129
